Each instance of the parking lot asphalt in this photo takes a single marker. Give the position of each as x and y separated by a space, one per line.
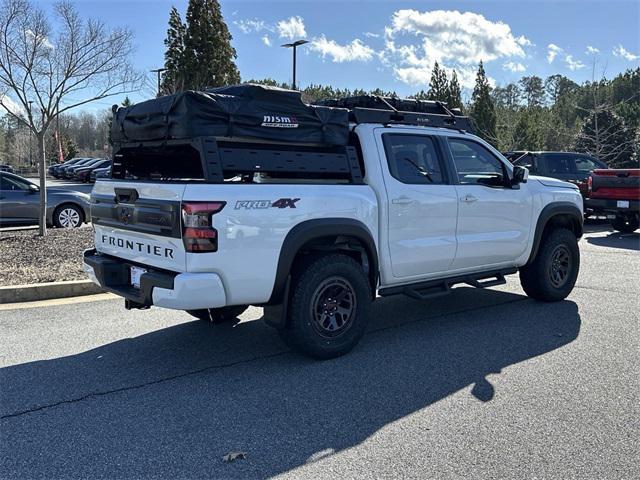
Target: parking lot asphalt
478 384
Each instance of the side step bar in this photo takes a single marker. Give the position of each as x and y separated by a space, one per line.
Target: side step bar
437 288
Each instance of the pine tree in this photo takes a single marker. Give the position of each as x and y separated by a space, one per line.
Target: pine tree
454 95
208 54
438 85
533 90
483 110
173 79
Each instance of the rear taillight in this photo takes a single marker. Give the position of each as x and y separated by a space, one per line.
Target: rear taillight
198 233
589 185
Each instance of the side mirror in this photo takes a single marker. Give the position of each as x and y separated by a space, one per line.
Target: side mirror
520 175
33 188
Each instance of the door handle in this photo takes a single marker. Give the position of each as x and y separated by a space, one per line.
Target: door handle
469 199
402 201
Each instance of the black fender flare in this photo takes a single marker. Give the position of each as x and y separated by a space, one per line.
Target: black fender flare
552 210
309 230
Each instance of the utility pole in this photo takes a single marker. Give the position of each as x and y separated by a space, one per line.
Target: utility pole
294 45
159 72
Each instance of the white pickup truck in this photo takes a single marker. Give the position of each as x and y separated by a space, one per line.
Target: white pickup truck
429 208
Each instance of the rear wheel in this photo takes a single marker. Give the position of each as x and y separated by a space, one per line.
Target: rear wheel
625 224
329 307
218 315
553 273
68 216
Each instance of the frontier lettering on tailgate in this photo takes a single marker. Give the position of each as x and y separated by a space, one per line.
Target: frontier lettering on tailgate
140 247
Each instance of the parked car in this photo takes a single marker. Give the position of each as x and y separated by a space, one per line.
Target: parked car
567 166
65 169
616 193
6 168
438 207
83 173
69 172
100 173
56 169
20 204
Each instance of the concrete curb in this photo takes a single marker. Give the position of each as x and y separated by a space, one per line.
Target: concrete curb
47 291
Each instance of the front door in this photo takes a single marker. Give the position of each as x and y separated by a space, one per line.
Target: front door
494 220
18 204
422 206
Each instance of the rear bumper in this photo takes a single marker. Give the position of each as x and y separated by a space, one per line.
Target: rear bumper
607 205
180 291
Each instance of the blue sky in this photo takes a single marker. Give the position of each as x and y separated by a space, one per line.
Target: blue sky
393 44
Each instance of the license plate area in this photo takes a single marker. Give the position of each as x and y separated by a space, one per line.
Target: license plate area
623 204
134 275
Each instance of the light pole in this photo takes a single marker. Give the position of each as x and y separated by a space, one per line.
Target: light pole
294 45
30 136
159 72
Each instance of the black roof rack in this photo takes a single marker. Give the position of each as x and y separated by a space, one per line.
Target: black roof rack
403 111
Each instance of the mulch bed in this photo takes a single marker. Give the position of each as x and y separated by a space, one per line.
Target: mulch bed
27 258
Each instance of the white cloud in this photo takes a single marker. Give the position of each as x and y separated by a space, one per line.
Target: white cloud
465 37
354 51
9 105
42 39
252 25
415 40
523 41
573 64
514 67
591 50
622 52
291 28
552 52
266 40
371 35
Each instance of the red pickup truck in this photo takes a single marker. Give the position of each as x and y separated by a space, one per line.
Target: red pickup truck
616 193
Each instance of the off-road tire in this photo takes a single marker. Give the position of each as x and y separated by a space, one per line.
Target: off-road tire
625 224
543 279
312 313
218 315
68 215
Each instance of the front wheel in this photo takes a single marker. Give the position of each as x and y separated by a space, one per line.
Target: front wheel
68 216
329 307
218 315
553 273
625 224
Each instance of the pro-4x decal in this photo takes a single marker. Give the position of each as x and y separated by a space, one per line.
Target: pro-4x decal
261 204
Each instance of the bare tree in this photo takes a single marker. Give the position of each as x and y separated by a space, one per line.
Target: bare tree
46 70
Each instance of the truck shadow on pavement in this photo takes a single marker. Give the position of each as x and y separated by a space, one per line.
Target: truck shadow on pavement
627 241
172 402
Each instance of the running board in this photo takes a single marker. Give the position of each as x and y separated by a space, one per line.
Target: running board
437 288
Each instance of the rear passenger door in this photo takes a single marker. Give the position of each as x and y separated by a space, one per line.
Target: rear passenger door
421 205
494 220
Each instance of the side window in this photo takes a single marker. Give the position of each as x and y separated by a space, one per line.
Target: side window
476 164
413 159
12 184
560 164
585 165
528 161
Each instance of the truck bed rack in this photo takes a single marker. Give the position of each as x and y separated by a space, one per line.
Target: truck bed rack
403 111
214 160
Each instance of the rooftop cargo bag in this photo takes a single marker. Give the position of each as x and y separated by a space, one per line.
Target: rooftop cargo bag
249 111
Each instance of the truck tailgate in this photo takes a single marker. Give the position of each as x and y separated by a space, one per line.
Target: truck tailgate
139 221
623 184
